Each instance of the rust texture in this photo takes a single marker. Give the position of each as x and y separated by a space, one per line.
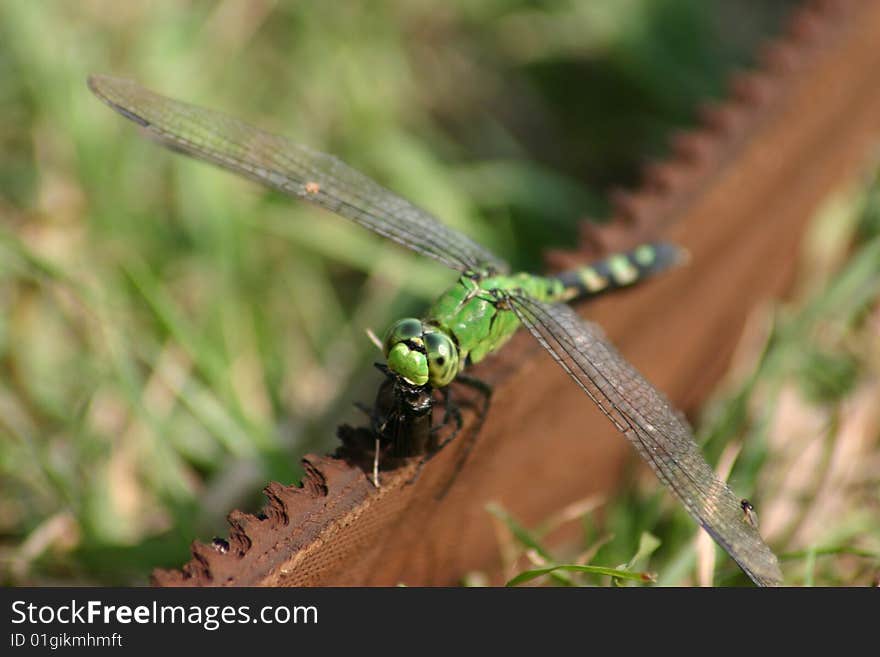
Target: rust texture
737 192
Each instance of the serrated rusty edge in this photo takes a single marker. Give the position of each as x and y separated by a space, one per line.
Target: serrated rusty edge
723 127
318 482
695 154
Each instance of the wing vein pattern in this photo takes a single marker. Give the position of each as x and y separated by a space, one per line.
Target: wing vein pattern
297 170
661 436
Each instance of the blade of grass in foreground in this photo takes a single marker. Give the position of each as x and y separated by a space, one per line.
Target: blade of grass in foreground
620 573
527 540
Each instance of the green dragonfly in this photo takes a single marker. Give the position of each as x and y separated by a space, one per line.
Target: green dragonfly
483 309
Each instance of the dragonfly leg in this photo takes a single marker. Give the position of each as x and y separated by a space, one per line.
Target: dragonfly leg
485 390
451 413
480 386
366 410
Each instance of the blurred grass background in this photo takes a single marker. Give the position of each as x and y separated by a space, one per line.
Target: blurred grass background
173 337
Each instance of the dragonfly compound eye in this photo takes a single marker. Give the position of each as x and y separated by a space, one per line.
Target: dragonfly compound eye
405 351
402 330
442 358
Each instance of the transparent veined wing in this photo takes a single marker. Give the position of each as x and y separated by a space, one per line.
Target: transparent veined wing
297 170
659 433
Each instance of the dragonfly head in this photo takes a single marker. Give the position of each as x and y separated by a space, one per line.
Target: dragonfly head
421 353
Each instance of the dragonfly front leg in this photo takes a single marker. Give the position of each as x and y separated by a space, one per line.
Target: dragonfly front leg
485 390
450 413
470 439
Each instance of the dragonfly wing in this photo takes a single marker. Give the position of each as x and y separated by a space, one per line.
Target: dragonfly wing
653 426
297 170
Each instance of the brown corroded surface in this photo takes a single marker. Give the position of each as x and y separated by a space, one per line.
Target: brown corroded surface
737 193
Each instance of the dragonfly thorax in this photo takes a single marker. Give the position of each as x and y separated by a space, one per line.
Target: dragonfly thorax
421 353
